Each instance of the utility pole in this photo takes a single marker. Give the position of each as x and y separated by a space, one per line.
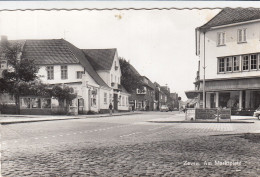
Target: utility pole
204 68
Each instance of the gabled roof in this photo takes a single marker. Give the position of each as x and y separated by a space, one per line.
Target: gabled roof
149 84
232 15
53 51
58 51
101 59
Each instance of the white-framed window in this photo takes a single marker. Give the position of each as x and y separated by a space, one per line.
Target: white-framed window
229 64
105 98
221 38
253 61
221 65
79 74
50 72
110 98
123 100
241 35
236 63
245 62
126 101
64 72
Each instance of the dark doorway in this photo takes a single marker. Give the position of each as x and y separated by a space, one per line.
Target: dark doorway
115 102
212 101
80 105
223 99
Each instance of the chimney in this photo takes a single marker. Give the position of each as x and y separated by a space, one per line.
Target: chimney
3 38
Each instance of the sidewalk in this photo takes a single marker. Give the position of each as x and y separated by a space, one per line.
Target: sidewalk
180 118
12 119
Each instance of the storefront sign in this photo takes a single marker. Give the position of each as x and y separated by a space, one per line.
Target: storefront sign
206 113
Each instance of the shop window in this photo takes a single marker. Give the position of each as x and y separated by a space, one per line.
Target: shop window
46 103
245 63
253 61
25 103
36 102
236 64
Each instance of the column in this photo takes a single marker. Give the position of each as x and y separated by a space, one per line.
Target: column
207 100
247 99
240 100
217 99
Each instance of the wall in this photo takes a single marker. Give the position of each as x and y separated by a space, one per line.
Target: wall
231 48
72 74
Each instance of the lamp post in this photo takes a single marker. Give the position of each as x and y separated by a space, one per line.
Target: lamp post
204 68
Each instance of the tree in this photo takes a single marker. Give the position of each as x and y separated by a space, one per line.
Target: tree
130 79
63 94
20 71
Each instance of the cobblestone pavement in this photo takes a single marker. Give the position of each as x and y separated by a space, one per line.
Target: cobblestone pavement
128 146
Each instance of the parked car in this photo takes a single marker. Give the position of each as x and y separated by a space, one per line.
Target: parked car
164 108
257 113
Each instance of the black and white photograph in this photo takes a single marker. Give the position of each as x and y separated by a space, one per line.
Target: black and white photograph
120 88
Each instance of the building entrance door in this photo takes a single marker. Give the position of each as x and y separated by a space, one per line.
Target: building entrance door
115 102
212 100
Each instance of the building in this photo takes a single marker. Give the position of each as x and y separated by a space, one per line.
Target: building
61 63
160 96
229 47
144 99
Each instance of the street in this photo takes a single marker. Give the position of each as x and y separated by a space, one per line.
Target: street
129 145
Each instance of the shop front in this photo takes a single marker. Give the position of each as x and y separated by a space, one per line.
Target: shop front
241 95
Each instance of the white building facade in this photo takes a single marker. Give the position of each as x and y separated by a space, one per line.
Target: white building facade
228 47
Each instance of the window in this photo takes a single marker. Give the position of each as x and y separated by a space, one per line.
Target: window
110 98
111 77
50 72
245 62
221 65
126 100
253 61
36 103
115 79
123 100
25 103
46 103
229 64
64 72
79 74
236 63
221 38
105 98
241 35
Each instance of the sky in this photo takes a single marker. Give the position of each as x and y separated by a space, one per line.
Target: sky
159 44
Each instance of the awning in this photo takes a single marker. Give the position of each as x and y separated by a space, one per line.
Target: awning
232 84
191 94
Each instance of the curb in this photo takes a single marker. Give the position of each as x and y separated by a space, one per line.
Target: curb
197 122
43 120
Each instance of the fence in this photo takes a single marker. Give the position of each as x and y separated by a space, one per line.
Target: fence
208 114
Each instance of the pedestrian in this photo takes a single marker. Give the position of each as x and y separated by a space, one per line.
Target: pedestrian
110 109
